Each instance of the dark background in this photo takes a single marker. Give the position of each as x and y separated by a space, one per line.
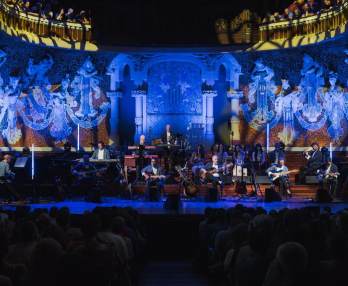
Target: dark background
165 22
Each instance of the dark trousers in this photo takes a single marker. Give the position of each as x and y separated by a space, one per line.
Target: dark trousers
330 185
283 185
154 190
217 184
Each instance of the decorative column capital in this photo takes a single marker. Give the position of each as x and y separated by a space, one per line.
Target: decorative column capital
114 94
210 120
209 93
138 120
234 94
138 93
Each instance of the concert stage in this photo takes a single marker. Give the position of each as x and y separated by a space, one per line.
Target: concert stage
188 207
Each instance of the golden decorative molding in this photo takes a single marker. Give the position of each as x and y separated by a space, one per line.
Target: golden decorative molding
241 30
285 33
31 27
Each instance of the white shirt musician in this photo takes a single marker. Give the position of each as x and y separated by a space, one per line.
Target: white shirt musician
213 167
101 153
278 174
167 137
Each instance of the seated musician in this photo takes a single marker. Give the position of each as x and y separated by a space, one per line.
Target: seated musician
6 177
101 153
328 177
314 162
278 174
154 177
211 172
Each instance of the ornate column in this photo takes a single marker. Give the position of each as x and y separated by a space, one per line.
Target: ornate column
235 96
114 94
140 112
208 111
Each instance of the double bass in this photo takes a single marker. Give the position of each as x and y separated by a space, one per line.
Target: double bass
190 189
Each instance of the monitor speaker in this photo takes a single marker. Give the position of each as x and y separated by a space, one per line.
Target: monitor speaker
173 202
323 196
272 195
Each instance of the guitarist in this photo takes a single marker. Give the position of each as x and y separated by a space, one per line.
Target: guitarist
212 173
154 178
7 176
282 181
314 162
328 177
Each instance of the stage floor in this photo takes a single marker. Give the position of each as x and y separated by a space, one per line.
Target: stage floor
188 207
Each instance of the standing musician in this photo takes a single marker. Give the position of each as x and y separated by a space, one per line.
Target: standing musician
6 177
154 178
168 136
258 158
277 154
140 161
278 174
314 162
328 177
101 153
239 155
197 160
228 166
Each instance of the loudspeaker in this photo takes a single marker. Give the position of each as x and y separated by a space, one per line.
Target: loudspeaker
272 196
173 202
323 196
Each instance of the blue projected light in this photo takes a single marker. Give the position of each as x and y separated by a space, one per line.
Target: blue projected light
49 96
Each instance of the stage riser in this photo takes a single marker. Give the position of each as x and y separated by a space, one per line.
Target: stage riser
301 191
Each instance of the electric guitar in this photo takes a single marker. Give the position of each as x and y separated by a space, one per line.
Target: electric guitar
274 175
330 175
148 176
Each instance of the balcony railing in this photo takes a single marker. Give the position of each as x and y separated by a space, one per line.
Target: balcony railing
313 28
32 27
324 21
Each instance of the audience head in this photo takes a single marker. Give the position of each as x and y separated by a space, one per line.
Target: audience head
292 258
27 232
260 232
